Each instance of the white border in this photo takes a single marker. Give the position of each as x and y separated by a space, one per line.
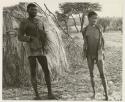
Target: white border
6 1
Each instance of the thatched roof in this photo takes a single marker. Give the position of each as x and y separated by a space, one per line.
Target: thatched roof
12 16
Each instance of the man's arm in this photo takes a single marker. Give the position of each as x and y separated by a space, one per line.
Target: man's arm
84 35
102 37
21 36
82 21
43 27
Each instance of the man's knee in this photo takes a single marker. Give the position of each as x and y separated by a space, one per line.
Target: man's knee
44 58
45 65
46 71
33 80
102 76
100 63
91 75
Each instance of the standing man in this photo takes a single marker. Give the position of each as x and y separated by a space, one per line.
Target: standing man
32 31
93 49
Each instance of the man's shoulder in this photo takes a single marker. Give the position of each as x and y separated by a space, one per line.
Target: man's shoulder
99 27
24 21
84 29
40 18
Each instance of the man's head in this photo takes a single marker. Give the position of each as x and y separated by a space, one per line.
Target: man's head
32 10
92 16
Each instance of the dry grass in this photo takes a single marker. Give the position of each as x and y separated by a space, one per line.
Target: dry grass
76 85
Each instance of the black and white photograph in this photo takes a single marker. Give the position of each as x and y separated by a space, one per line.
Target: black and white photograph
65 50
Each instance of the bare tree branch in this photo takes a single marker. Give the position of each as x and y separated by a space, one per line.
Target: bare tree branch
59 24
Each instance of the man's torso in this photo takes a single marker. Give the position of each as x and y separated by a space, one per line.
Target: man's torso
92 34
33 29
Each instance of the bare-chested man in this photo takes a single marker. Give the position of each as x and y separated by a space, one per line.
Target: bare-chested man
33 32
94 49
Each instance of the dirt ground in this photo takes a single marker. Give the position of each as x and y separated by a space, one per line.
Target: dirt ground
76 85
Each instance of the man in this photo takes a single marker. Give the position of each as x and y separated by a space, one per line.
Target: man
32 31
93 49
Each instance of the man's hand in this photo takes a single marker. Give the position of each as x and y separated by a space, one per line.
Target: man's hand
29 38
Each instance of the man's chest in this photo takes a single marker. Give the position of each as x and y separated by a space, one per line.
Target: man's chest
33 26
92 33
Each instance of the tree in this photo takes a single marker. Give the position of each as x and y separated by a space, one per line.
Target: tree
119 24
110 23
67 9
104 22
78 8
87 7
63 18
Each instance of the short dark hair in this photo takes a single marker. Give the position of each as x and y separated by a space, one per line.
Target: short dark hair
31 5
90 14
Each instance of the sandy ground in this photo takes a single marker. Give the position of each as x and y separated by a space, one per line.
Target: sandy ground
76 85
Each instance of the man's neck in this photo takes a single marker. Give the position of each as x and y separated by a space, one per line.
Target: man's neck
31 18
92 25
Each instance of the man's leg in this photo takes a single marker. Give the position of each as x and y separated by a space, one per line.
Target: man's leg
43 61
91 67
100 65
32 61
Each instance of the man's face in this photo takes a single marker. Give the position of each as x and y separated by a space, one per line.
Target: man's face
32 11
93 19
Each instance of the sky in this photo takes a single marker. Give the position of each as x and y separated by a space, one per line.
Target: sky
111 8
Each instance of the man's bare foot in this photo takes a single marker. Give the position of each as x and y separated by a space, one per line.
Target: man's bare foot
51 96
93 96
106 97
37 98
